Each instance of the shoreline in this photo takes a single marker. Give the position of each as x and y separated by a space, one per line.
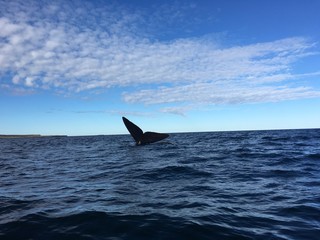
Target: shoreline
29 136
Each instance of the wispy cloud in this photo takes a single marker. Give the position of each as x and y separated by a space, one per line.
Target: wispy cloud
75 48
207 93
178 110
247 74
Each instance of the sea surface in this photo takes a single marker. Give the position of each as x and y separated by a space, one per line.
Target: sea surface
215 185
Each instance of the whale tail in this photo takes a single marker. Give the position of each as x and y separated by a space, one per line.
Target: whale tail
140 137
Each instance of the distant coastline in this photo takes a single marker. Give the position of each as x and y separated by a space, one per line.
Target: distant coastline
29 136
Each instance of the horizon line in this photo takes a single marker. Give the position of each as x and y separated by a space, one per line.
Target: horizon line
182 132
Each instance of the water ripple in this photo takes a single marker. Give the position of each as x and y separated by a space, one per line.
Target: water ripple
222 185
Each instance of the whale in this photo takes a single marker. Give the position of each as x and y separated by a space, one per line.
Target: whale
140 137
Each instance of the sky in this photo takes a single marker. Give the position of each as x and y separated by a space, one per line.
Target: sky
77 67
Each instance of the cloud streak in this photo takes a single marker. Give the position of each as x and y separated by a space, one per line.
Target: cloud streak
54 49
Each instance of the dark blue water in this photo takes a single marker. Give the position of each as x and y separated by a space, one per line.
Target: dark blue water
219 185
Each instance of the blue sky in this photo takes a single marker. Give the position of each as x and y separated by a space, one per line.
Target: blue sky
76 67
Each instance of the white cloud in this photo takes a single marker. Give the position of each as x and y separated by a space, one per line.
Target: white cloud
211 93
178 110
83 48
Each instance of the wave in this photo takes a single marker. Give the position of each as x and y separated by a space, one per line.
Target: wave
100 225
315 156
230 185
302 211
175 172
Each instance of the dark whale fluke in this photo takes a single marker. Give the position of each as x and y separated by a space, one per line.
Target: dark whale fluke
140 137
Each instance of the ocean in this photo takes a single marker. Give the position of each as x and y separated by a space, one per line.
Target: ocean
213 185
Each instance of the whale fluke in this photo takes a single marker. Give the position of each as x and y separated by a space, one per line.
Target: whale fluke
140 137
